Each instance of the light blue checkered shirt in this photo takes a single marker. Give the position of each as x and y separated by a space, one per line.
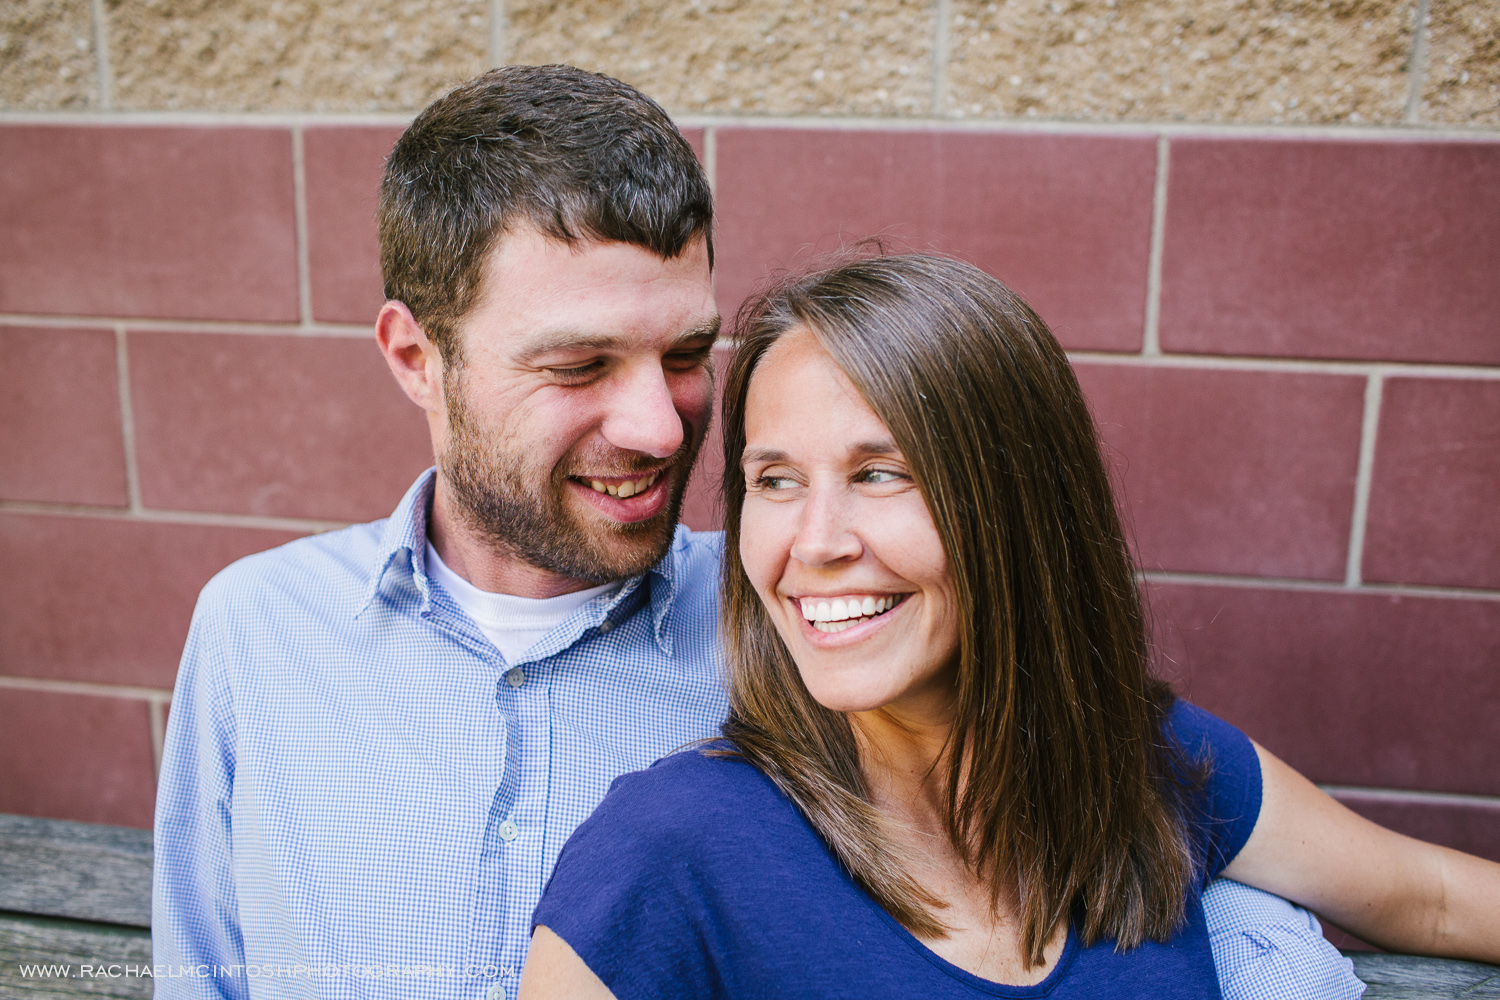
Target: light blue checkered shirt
355 800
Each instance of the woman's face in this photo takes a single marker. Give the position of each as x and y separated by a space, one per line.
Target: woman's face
838 542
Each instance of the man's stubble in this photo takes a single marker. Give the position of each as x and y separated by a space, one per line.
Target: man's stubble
521 510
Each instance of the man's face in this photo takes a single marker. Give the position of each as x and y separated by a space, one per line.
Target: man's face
583 393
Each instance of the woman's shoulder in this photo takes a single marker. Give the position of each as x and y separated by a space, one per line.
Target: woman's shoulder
702 791
1228 800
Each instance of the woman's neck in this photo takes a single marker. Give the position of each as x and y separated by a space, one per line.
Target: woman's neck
904 756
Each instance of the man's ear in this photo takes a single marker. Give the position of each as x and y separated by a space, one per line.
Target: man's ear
414 359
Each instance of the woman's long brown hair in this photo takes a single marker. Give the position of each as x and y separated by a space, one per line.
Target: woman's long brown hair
1062 791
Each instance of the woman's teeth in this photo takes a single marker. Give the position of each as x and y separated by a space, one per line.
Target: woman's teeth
846 612
625 489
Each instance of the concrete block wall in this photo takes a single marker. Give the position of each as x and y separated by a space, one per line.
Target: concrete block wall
1269 235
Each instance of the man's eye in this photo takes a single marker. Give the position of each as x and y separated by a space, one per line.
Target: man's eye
685 360
576 373
875 476
772 483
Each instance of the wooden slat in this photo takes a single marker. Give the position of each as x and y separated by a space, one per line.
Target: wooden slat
55 868
32 941
1410 977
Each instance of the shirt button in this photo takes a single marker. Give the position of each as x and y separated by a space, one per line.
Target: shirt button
605 626
508 831
515 677
495 992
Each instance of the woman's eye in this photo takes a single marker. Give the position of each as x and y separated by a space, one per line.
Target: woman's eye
874 476
771 483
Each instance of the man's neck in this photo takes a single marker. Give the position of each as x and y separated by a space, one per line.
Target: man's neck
479 561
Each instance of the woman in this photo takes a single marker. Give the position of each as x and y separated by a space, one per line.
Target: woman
948 770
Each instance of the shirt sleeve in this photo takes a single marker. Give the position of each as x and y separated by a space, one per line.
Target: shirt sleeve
630 897
195 927
1228 804
1265 948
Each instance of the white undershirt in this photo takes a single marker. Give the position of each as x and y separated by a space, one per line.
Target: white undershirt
513 624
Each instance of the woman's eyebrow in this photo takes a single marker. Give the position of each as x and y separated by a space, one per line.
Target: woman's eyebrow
761 455
861 448
875 448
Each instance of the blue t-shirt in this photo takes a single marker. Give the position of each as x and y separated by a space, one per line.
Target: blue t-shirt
698 878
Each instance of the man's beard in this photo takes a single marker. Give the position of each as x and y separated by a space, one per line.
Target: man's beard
521 510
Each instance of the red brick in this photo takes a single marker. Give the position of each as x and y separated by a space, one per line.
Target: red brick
1237 472
1472 826
176 223
702 505
1384 250
343 165
107 600
1372 690
78 757
283 425
1065 219
695 138
62 440
1344 941
1433 515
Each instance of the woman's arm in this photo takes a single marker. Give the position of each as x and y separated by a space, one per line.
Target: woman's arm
1393 891
554 970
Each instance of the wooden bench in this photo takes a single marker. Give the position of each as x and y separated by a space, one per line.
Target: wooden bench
78 896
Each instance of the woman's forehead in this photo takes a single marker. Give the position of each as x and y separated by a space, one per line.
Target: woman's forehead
799 393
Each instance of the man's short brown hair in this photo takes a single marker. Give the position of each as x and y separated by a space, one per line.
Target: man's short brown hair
577 155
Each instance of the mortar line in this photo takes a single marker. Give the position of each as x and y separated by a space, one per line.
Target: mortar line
1318 586
299 202
711 158
1229 362
102 65
1417 67
156 709
1218 362
49 686
1405 795
127 422
943 17
214 520
149 325
1369 428
497 33
1151 338
1393 132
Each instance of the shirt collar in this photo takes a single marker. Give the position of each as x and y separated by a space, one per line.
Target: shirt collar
405 538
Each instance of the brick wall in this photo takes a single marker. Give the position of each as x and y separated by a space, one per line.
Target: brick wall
1291 341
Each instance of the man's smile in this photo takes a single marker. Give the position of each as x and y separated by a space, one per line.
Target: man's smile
626 499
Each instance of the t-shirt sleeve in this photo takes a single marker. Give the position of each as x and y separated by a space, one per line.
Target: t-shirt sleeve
626 893
1229 801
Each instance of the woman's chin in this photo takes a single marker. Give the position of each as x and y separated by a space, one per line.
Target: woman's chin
838 698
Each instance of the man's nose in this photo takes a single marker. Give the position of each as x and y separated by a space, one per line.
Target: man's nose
826 530
643 415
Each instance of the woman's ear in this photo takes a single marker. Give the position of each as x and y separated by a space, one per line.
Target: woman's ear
414 360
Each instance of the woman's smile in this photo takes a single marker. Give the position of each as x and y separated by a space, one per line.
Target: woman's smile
845 612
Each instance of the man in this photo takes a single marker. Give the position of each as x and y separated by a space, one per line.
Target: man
381 737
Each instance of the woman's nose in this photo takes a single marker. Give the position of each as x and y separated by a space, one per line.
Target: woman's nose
827 532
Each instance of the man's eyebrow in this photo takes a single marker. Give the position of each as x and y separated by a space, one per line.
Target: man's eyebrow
709 328
605 342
